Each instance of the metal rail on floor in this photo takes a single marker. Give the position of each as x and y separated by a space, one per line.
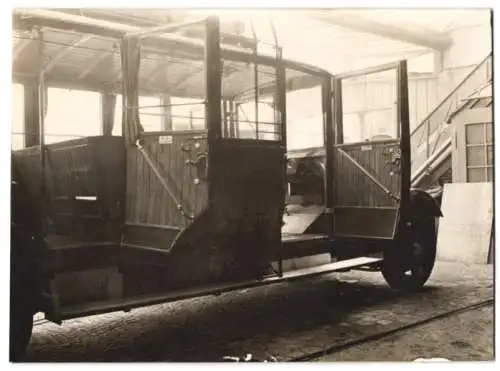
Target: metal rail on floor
334 348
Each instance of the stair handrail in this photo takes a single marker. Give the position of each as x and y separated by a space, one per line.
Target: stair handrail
427 166
460 84
426 133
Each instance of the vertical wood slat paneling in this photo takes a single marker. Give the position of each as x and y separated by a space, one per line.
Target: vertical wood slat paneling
81 167
353 188
132 183
154 211
362 208
145 184
69 169
148 201
175 170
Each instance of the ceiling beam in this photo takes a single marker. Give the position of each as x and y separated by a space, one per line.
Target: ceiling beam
20 48
156 71
112 15
64 51
183 80
22 45
28 18
169 27
427 39
94 63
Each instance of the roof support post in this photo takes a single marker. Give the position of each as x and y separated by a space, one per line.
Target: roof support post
108 106
404 136
328 130
41 117
213 89
166 123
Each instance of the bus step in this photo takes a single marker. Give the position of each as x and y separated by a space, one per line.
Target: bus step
214 289
330 268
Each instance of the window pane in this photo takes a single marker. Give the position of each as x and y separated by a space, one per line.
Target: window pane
266 128
150 114
352 128
489 132
476 156
72 114
187 114
252 89
489 155
377 123
304 118
372 98
490 174
475 133
246 130
476 175
17 129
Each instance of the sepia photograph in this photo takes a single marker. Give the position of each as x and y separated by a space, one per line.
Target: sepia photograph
217 184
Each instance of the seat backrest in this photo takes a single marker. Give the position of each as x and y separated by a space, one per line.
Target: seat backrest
84 186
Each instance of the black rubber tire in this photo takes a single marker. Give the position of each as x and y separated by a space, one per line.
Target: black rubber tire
21 327
409 270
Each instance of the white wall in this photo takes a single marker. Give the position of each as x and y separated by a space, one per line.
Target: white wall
373 102
423 98
379 100
470 46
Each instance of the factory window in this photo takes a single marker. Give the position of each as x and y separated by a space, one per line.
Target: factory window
71 114
150 114
479 152
187 114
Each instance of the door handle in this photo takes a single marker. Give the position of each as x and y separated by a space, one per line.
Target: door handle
394 162
201 166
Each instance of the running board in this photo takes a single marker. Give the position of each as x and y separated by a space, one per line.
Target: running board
127 304
327 268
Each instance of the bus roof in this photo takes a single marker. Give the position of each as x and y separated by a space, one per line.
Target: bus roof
83 53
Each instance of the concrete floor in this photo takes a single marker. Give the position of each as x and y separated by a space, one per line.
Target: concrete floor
288 320
464 337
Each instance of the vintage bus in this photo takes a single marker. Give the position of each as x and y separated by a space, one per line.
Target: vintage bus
212 200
